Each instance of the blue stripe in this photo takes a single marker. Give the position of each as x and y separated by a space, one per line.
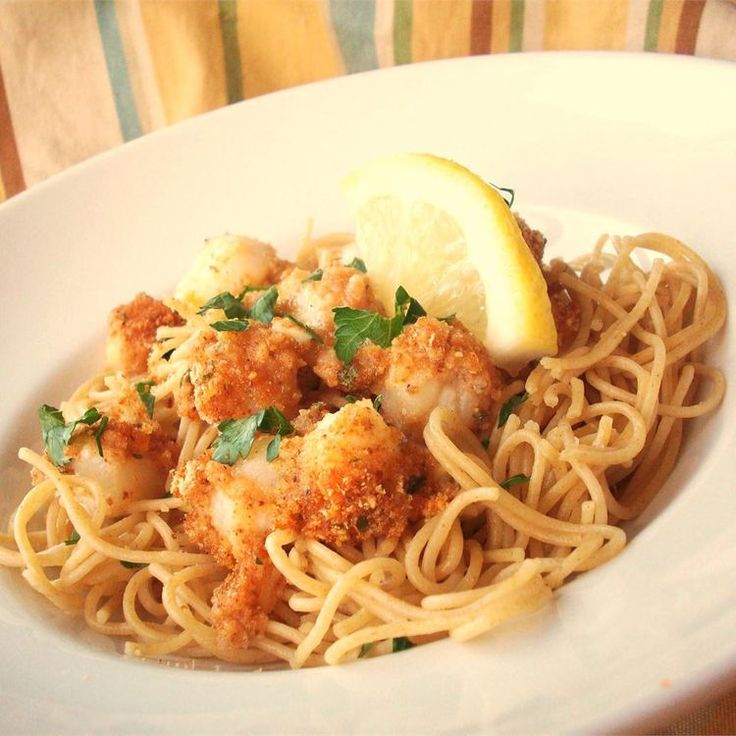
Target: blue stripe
117 69
353 22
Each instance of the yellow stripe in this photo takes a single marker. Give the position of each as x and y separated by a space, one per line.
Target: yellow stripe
500 26
3 196
140 65
63 109
667 38
186 46
440 29
284 43
582 24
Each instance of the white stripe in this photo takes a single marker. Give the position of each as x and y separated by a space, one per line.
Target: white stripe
383 32
636 25
533 32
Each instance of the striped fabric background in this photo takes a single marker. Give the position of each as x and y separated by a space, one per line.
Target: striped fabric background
80 76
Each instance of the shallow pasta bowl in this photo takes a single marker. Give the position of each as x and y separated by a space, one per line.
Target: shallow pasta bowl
591 144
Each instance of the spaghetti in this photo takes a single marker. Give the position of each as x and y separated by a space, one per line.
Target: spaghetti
592 435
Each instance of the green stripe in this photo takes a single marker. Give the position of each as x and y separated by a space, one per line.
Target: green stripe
654 17
516 25
117 69
402 31
229 30
353 21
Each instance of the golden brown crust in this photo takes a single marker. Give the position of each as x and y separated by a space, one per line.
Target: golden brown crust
242 602
132 332
236 374
533 238
365 370
565 310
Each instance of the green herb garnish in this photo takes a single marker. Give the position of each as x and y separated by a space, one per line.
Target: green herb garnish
232 305
144 392
237 435
350 399
377 402
98 433
400 643
362 524
262 310
358 264
231 325
510 406
314 276
505 192
514 480
73 538
486 441
56 433
272 451
259 561
365 649
133 565
415 483
354 326
306 329
167 355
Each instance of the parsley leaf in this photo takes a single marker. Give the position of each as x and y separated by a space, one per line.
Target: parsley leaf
262 310
231 305
400 643
362 523
510 406
504 192
314 276
98 434
350 399
231 325
73 538
259 561
56 433
358 264
167 355
514 480
415 483
306 329
354 326
144 392
237 435
133 565
486 442
365 649
272 451
377 402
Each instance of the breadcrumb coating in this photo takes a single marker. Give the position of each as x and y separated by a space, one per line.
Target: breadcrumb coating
435 363
132 331
236 374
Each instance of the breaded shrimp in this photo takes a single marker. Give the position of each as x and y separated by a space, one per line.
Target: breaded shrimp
228 263
351 482
533 238
236 374
434 363
134 464
132 332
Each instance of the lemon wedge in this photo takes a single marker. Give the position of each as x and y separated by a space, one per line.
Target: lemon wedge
449 238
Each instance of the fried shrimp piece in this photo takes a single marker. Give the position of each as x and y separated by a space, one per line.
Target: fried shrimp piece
232 509
565 310
235 374
134 464
351 481
435 363
312 301
533 238
132 332
228 263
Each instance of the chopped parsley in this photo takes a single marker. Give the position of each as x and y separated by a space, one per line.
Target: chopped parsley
514 480
306 329
354 326
400 643
415 483
133 565
259 561
232 305
167 355
510 406
314 276
262 310
144 392
98 433
73 538
365 649
486 441
377 402
57 433
362 524
358 264
350 399
272 451
231 325
505 192
237 435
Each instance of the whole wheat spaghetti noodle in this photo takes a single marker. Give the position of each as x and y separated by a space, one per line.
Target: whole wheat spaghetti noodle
591 436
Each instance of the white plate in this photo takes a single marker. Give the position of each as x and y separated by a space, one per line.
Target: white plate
590 143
